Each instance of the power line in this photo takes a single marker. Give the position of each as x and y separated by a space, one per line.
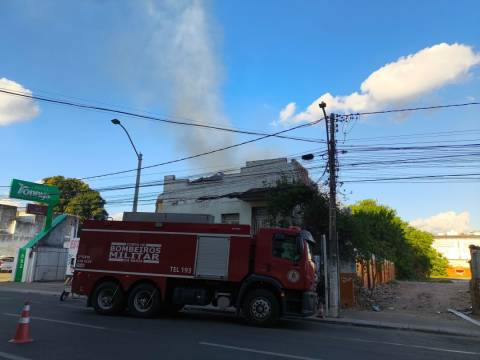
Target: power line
444 176
410 109
148 117
207 152
424 134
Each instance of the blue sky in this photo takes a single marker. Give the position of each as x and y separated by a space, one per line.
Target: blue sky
238 64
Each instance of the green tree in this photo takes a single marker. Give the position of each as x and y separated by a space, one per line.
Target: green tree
378 230
365 229
303 205
428 260
77 198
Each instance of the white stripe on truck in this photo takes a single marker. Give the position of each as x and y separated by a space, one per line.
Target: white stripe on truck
165 232
133 273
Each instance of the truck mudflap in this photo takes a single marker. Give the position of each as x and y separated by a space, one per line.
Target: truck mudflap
309 303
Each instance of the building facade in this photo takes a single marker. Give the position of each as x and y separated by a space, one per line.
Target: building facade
17 228
233 198
456 249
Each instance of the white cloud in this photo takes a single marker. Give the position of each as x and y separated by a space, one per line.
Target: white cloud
287 112
398 82
117 216
14 108
445 223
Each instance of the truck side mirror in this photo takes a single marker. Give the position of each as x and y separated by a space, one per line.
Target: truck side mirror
300 250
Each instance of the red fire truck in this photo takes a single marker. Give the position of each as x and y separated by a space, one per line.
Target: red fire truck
152 267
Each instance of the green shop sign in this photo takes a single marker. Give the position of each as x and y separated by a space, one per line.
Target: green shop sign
26 190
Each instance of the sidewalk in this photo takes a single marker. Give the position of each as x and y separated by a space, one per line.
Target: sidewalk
446 324
43 288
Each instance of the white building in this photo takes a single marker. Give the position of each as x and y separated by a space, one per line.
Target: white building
456 249
236 198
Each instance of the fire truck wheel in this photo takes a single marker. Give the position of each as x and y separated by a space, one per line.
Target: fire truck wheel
261 308
108 298
144 301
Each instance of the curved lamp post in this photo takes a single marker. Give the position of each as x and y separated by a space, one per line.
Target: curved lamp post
139 166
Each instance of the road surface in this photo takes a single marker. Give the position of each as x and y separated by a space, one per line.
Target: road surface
70 331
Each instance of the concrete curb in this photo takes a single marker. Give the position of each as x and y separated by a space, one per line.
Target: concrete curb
364 323
397 326
30 291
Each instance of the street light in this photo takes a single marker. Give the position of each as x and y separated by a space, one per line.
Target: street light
139 167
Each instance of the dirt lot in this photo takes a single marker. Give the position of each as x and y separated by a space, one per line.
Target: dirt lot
426 299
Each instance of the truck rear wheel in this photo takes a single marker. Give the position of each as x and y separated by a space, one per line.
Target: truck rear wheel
261 308
144 301
108 298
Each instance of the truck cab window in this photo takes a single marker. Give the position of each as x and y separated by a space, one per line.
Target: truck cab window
285 247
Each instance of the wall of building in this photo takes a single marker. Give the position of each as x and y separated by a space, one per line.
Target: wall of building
17 228
46 254
8 214
456 249
215 207
50 254
219 191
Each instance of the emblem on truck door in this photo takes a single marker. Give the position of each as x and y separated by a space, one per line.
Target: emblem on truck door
293 276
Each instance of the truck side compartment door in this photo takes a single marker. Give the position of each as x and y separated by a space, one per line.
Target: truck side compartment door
212 257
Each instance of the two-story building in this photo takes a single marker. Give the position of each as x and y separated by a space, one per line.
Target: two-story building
234 198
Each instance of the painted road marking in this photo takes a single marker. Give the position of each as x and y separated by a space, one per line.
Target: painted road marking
413 346
4 355
75 306
263 352
400 344
61 322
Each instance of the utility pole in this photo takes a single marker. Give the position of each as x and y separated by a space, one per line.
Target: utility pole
333 262
137 183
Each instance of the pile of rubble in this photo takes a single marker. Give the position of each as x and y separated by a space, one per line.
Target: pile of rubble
381 297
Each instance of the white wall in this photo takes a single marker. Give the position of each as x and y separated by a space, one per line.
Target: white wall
182 195
456 248
215 207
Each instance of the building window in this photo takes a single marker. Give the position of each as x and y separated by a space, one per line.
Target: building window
233 219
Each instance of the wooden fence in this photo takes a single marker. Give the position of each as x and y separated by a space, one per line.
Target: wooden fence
374 272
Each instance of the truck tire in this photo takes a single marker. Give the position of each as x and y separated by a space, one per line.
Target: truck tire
144 301
108 298
261 308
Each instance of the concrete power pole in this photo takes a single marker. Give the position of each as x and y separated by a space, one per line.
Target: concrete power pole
333 263
137 182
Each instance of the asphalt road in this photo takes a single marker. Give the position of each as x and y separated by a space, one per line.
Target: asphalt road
70 331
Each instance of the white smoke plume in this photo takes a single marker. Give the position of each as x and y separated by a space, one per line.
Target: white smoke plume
169 54
171 58
13 108
396 83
